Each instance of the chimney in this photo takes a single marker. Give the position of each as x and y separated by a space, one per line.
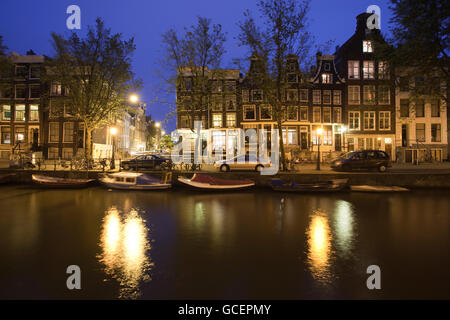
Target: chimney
361 22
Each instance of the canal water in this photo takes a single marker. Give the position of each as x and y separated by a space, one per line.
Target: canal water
255 244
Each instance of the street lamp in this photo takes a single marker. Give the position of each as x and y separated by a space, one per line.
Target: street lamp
134 98
157 124
319 132
113 131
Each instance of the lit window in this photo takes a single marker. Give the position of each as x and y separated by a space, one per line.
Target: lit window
6 113
368 70
6 135
383 71
369 94
369 120
20 112
231 120
385 120
353 69
34 112
217 120
353 120
367 46
327 78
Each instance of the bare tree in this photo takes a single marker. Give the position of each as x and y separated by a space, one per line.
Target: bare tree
192 63
282 31
97 72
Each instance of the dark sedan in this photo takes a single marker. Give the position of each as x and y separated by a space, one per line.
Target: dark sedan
365 160
148 162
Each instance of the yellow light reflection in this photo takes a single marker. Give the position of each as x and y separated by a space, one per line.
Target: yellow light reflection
125 249
319 243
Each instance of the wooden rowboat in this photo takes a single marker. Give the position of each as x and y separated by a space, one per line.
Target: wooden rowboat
326 186
366 188
55 182
202 181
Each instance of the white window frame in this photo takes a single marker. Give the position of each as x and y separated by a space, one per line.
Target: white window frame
244 109
350 94
353 65
368 69
385 119
262 106
317 96
367 46
352 124
368 118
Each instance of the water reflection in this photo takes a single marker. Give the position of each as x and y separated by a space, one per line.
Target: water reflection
344 228
319 247
125 250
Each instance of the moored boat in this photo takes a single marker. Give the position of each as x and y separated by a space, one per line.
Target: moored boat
136 181
367 188
56 182
202 181
326 186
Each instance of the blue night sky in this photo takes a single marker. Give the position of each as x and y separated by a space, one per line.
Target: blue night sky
27 24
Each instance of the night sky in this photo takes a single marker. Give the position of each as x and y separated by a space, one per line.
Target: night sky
27 24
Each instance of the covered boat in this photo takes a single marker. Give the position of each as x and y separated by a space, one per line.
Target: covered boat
366 188
56 182
326 186
136 181
206 182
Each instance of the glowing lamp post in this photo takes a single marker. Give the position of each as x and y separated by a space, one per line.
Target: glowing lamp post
319 132
113 131
134 98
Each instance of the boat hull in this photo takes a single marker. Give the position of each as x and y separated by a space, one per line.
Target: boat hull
378 189
211 187
61 183
331 186
123 186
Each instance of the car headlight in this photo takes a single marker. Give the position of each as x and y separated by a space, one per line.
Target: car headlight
337 163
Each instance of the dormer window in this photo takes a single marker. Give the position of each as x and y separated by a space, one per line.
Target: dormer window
326 78
367 46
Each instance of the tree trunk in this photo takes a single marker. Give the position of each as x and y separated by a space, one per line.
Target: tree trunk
281 144
88 146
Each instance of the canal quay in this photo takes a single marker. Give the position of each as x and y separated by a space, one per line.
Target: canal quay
252 244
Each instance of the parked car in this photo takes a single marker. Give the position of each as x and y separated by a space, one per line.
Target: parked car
150 162
242 162
366 159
